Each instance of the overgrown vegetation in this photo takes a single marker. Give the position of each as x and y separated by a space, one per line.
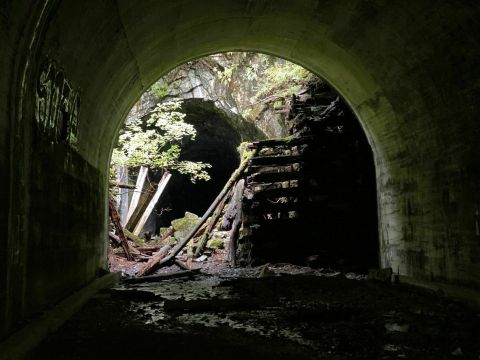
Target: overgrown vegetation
155 141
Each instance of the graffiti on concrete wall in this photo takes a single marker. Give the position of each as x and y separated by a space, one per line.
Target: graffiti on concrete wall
57 105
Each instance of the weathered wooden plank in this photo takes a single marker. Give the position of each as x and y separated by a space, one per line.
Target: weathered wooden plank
118 227
142 175
287 142
270 177
153 202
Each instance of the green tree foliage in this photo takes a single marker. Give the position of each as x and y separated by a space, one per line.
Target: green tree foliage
157 142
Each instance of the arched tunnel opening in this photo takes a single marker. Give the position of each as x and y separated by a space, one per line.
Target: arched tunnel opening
307 197
70 71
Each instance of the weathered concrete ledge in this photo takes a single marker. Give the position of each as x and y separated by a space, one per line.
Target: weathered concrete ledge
19 344
466 294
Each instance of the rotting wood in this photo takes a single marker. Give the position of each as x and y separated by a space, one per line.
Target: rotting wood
115 239
233 236
231 210
233 179
270 177
182 265
276 160
125 186
145 198
211 223
153 263
148 248
139 187
161 187
169 232
287 142
118 228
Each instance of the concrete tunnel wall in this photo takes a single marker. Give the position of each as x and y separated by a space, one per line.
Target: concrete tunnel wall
409 70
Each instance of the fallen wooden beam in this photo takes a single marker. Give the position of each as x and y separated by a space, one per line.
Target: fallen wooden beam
276 160
161 277
233 179
161 187
269 177
115 239
213 220
290 141
153 263
277 193
118 228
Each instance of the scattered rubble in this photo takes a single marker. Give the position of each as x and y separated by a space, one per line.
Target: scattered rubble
294 313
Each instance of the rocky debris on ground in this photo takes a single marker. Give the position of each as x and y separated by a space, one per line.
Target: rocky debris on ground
183 226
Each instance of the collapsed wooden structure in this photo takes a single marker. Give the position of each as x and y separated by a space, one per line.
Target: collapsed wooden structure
282 186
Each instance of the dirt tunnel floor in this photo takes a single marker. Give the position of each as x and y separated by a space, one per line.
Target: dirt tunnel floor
236 315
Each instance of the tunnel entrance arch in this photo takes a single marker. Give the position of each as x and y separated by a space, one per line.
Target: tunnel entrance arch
336 216
382 58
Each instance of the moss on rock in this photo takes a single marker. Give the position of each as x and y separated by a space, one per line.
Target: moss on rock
182 227
215 243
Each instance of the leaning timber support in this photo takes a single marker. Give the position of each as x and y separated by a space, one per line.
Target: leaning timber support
152 264
233 236
213 220
161 187
118 228
142 175
233 179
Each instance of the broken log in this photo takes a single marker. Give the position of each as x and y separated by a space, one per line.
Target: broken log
115 239
182 265
211 223
125 186
286 142
276 193
236 222
152 264
276 160
233 179
271 177
169 232
118 227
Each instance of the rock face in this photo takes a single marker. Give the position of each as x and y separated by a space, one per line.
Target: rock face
218 136
183 226
235 93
